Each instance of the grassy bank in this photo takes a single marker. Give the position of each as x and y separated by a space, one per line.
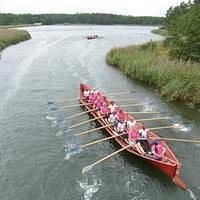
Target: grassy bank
149 63
160 31
12 36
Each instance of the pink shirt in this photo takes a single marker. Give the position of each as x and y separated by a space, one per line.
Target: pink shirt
157 150
121 116
104 109
133 135
98 104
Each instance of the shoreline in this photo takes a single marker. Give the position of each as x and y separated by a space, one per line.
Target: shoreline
149 63
12 36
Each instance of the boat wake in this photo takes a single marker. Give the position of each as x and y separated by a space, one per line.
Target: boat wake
89 189
192 196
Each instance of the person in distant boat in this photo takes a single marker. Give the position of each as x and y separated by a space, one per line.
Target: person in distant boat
158 150
143 138
133 137
112 106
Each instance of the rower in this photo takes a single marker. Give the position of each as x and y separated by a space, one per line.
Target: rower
104 109
112 119
97 104
121 128
143 137
133 139
112 106
158 150
86 94
120 115
130 123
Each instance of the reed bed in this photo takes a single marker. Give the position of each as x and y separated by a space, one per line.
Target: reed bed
12 36
150 64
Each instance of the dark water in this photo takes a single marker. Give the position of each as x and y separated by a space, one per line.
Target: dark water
33 163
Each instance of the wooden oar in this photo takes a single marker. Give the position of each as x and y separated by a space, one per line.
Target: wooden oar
146 112
76 105
166 127
152 119
137 104
177 140
84 122
78 148
89 167
65 100
119 100
79 114
86 132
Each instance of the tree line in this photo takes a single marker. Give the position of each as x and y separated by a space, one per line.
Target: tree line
183 26
79 18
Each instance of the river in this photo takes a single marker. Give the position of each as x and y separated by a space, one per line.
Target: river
50 66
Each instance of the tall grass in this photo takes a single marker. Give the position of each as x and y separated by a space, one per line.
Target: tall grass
12 36
149 63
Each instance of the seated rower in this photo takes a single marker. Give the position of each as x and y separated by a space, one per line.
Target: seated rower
86 94
104 109
112 119
97 104
112 106
158 150
144 139
120 115
130 123
133 139
121 128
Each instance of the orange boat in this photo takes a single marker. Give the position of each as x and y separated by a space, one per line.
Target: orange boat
169 166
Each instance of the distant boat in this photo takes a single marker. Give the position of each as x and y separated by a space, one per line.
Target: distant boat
90 37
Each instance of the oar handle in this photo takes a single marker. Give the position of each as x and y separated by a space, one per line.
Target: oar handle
112 154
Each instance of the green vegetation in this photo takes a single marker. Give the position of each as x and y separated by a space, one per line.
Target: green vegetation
94 18
161 31
12 36
150 64
183 26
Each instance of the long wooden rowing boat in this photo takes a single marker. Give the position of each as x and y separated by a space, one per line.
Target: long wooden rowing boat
169 166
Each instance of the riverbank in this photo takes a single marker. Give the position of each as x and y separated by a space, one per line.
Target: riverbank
12 36
150 64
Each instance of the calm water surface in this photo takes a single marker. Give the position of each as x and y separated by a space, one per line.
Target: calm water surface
33 163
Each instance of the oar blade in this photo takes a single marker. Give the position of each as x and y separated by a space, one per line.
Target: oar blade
69 137
75 150
53 109
87 168
131 92
186 128
67 129
50 102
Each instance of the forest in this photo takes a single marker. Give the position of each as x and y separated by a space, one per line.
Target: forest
79 18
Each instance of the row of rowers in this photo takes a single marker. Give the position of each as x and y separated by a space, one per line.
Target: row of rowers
131 131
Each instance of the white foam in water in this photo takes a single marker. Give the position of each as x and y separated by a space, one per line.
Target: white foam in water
59 133
191 194
89 189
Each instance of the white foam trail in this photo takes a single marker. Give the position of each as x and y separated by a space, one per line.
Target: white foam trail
191 194
89 189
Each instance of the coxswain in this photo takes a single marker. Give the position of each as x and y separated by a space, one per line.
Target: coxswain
158 150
